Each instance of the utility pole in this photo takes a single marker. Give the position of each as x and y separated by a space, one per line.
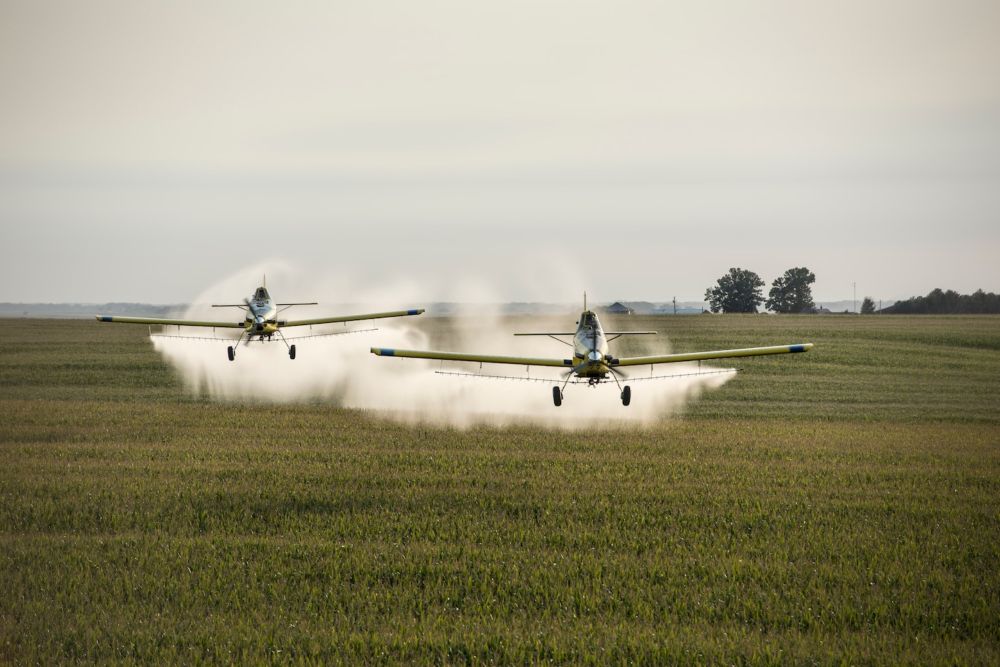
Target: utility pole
675 305
855 287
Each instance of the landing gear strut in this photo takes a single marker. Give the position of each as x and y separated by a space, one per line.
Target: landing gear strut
291 348
626 390
231 350
557 396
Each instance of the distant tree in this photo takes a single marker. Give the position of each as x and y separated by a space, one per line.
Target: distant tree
791 292
867 306
738 291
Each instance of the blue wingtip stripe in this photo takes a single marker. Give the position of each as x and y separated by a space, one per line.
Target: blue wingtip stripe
413 311
106 318
387 352
796 348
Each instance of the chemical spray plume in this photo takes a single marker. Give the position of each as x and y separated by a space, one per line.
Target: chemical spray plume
339 370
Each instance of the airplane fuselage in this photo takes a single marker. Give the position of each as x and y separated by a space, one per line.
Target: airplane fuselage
262 315
590 348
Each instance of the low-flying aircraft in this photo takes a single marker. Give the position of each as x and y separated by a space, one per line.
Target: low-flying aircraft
261 320
591 363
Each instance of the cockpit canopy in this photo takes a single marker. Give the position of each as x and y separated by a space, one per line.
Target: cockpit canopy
261 294
588 319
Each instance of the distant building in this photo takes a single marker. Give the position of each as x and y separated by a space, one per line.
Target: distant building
618 308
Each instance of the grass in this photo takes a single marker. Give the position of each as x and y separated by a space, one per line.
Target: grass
841 506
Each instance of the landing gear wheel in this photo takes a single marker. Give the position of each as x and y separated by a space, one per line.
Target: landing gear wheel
626 395
556 396
291 352
232 353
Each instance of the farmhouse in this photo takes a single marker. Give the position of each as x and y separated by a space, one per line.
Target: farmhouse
618 308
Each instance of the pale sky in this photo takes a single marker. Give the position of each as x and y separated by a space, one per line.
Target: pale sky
633 149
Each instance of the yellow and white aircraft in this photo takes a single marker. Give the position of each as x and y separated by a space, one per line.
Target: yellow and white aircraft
261 321
591 361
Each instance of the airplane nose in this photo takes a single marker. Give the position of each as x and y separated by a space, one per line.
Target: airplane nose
594 356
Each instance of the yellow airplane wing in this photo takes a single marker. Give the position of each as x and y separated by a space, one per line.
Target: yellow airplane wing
184 323
353 318
481 358
716 354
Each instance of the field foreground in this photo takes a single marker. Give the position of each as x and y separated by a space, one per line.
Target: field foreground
837 506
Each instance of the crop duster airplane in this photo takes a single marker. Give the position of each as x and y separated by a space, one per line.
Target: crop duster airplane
591 362
261 320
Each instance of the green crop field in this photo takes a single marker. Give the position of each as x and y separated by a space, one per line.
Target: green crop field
835 507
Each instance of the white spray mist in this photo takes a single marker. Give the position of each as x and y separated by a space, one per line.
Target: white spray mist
341 370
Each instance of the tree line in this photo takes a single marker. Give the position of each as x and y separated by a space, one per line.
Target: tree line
741 291
947 302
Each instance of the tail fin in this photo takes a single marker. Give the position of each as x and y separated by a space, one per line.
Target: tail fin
585 301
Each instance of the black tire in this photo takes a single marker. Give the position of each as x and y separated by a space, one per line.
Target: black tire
291 352
626 395
232 353
556 396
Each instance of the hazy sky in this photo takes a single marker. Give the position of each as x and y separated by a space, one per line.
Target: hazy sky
634 149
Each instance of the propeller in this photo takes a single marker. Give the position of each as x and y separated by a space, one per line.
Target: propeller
246 302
